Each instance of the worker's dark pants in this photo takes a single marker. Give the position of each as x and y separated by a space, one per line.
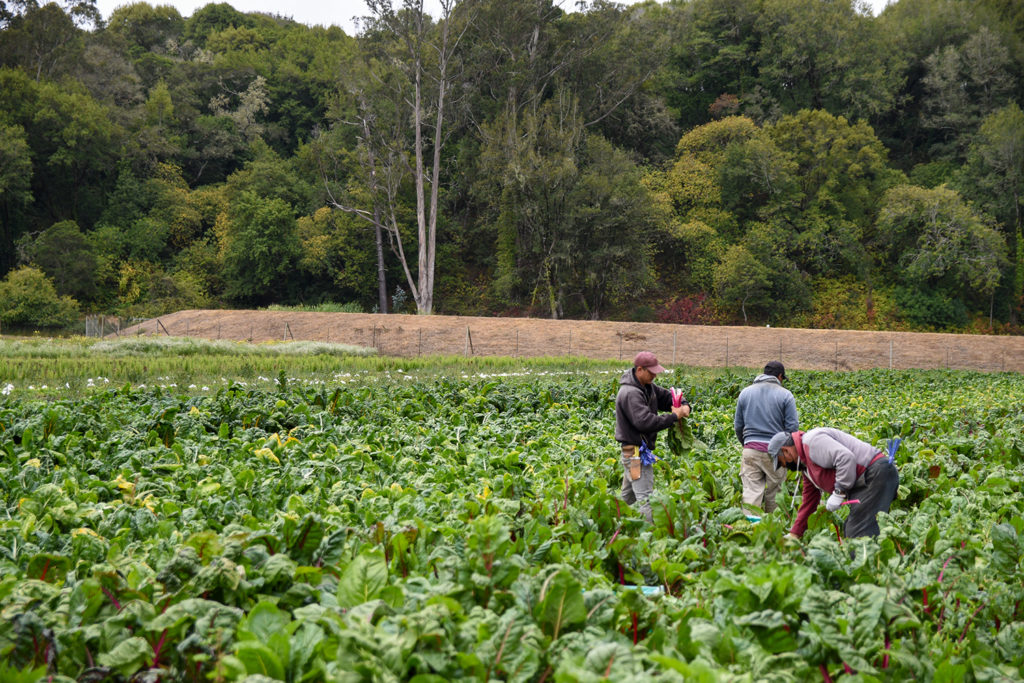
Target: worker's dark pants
881 481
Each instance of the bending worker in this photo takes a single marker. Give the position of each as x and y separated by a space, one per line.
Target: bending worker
846 469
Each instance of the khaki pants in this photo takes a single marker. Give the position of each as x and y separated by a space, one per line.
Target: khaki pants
637 481
760 481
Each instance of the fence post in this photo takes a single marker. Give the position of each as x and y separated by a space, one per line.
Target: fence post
465 351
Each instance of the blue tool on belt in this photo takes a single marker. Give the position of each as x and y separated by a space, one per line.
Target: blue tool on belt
647 456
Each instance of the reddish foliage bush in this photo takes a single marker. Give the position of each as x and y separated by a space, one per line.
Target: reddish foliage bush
698 309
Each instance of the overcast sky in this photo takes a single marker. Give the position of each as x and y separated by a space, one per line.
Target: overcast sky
313 12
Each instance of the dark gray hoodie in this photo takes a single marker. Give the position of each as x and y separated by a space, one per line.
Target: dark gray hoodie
636 411
764 409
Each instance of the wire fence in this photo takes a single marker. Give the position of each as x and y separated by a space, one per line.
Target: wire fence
412 335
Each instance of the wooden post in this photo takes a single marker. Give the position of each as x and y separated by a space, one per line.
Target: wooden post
465 351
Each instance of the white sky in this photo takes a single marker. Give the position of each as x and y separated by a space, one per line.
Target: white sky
323 12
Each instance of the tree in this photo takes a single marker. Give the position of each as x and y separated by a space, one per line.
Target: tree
742 279
259 248
145 27
66 256
994 178
934 239
574 221
28 298
840 171
15 187
45 40
427 57
963 85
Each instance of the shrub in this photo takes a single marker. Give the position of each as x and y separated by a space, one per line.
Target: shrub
323 307
698 309
28 298
846 303
930 310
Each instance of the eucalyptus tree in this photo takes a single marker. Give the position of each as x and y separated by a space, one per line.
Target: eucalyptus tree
426 56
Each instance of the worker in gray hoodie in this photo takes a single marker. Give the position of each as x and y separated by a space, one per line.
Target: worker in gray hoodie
637 423
762 410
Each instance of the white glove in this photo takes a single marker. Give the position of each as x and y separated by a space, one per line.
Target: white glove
835 501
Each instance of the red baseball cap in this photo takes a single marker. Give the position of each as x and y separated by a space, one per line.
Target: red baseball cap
646 359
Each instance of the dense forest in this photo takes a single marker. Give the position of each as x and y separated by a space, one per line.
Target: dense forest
783 162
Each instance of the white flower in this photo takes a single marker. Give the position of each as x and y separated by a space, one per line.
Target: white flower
8 388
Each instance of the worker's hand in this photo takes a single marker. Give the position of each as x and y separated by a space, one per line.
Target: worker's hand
835 501
790 538
682 411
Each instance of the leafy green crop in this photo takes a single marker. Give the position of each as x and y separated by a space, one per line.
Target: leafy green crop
436 528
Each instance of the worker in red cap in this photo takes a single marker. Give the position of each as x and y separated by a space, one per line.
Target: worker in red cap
642 409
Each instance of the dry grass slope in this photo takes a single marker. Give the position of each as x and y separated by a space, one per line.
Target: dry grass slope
413 335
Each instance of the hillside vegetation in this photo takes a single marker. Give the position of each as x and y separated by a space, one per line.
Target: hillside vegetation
790 162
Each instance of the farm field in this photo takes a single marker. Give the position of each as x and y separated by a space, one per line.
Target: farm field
369 519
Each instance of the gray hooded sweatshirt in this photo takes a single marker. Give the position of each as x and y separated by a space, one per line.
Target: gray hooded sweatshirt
763 409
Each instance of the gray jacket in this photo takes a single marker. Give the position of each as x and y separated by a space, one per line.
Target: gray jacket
832 449
763 409
636 411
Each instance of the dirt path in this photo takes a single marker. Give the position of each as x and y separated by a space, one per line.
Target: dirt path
413 335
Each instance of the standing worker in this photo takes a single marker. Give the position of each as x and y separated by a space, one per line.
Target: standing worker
637 424
762 410
849 470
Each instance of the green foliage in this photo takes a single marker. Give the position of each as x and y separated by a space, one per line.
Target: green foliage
259 246
929 310
427 526
324 307
847 304
28 298
589 164
935 239
67 258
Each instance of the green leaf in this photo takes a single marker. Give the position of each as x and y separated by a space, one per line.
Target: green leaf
128 656
1006 548
263 621
363 579
561 603
48 567
259 659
